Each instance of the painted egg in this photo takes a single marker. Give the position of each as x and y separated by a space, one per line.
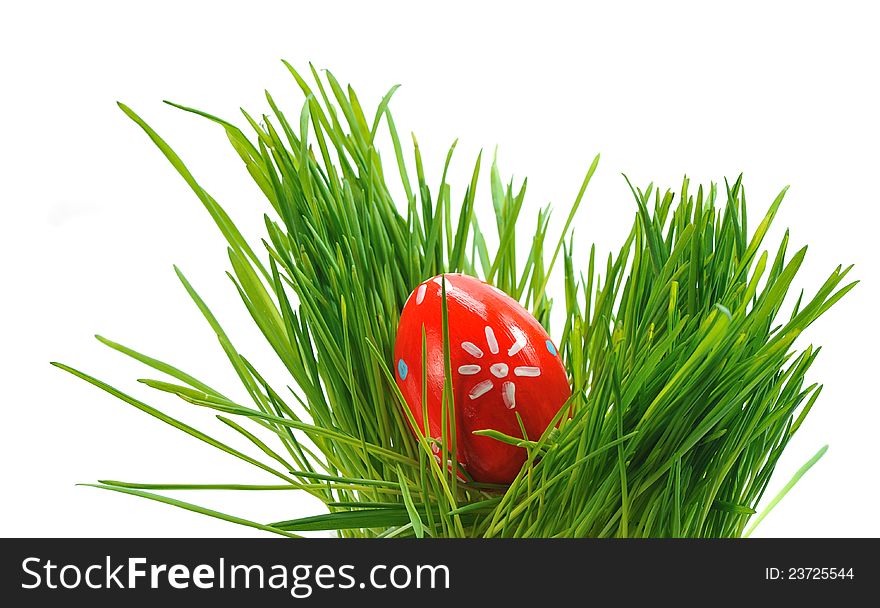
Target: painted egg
503 363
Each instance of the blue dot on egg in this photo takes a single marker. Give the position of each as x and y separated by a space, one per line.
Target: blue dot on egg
402 369
550 347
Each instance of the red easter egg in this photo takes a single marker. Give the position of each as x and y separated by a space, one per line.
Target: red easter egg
503 363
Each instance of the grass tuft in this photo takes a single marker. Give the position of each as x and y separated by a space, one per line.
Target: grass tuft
686 383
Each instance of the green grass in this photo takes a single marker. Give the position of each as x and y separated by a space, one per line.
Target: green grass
687 385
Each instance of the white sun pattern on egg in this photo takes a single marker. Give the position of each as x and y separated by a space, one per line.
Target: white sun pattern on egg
499 370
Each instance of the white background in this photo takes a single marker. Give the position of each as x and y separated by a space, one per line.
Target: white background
93 217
